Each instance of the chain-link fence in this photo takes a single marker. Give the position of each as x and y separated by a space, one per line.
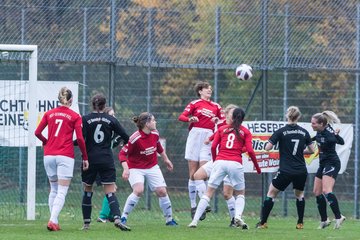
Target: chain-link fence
146 55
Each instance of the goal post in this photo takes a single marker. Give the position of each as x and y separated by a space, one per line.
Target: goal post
32 118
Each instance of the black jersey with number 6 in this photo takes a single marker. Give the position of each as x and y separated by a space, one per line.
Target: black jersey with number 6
98 129
292 140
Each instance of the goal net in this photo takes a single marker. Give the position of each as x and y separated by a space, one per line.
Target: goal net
18 117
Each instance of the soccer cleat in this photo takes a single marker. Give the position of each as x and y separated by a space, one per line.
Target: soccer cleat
208 209
192 225
240 223
261 226
232 223
300 226
193 211
339 221
86 227
203 216
123 220
53 226
171 223
324 224
102 220
121 226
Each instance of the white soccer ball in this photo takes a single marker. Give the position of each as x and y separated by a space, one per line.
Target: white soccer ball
244 72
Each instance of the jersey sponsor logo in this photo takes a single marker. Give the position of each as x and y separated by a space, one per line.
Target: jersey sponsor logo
206 112
148 151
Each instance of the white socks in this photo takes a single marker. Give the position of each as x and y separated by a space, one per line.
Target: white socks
52 194
239 205
131 202
203 203
196 186
165 205
200 187
58 203
231 206
192 193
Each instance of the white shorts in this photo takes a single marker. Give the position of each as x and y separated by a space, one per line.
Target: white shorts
153 176
196 149
208 167
234 170
59 167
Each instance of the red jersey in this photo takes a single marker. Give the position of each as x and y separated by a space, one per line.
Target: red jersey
140 151
204 110
231 146
61 122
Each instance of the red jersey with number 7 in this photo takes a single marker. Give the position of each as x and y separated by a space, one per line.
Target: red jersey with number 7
61 122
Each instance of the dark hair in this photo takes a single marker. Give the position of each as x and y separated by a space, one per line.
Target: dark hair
98 102
237 117
142 119
199 86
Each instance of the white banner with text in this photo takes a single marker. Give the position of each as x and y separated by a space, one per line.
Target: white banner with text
14 107
269 160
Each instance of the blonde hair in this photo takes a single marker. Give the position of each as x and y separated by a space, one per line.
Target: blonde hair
229 107
65 96
293 113
326 117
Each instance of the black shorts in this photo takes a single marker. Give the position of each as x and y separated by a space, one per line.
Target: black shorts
106 172
329 169
282 180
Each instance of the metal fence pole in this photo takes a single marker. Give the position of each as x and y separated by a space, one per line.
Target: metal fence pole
264 19
84 70
148 103
357 106
112 66
21 149
216 73
285 98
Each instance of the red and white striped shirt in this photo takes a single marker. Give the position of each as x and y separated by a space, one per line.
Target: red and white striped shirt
141 150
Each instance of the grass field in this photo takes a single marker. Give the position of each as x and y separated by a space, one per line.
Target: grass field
151 229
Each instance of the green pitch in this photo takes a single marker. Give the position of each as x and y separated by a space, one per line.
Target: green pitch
153 228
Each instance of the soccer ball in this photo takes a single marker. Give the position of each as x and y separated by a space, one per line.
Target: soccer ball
243 72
